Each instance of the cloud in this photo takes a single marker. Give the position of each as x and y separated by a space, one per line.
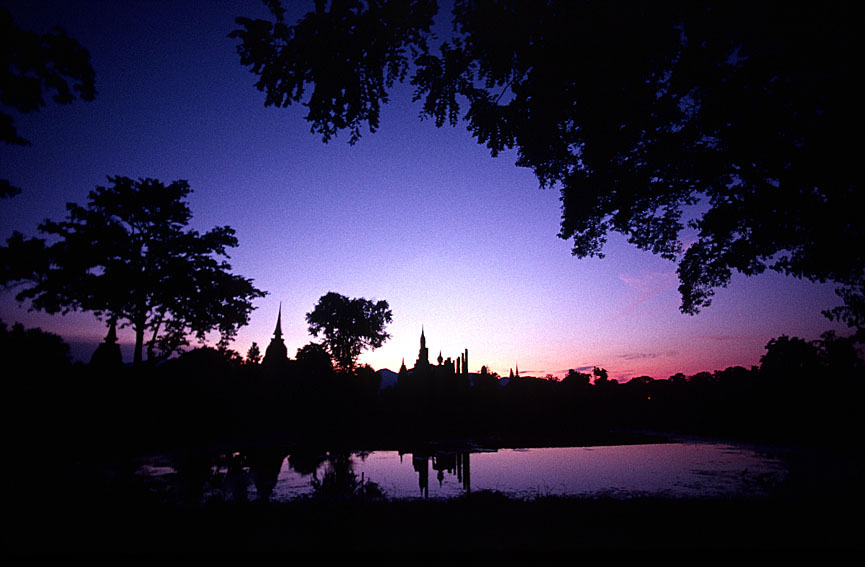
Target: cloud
646 355
647 286
639 355
724 338
651 282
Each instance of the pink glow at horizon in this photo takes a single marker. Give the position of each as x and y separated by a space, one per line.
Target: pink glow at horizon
458 242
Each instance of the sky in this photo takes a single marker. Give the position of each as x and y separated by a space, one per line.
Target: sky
459 243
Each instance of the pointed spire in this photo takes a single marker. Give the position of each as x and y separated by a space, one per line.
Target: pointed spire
277 333
111 338
107 354
276 355
423 353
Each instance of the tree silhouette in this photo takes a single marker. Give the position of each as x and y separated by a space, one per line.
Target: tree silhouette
32 349
576 379
730 121
126 256
358 52
791 359
33 66
253 355
349 326
601 376
313 359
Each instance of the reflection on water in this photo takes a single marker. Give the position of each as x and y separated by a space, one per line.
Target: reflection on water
456 464
670 470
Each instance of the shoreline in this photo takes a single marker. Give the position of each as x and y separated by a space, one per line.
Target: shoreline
821 508
483 521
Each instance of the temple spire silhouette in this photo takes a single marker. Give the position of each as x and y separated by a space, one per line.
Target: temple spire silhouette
423 354
402 375
276 352
277 333
107 354
111 337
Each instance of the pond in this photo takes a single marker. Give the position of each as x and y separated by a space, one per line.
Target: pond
672 470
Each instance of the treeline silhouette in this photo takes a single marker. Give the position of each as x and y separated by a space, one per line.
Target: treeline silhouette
74 432
802 392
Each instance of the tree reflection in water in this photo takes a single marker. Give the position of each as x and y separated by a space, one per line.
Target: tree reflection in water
265 464
340 482
227 476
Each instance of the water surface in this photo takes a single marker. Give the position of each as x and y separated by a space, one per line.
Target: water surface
665 470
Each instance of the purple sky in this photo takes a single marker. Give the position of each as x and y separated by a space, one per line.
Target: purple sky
456 241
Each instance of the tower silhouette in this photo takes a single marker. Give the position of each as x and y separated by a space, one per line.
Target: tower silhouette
422 355
276 352
107 354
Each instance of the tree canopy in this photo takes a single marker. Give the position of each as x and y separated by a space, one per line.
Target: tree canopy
349 326
33 66
32 349
128 257
718 135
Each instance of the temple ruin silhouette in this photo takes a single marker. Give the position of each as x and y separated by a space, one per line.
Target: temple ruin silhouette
107 354
423 362
276 354
457 369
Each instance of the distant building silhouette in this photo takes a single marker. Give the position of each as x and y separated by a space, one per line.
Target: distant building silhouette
513 374
403 373
276 354
422 355
107 354
446 372
423 364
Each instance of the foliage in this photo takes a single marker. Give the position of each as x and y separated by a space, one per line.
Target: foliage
802 392
352 52
31 349
790 358
349 326
601 376
715 134
253 355
127 256
33 66
204 361
314 360
339 482
576 379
